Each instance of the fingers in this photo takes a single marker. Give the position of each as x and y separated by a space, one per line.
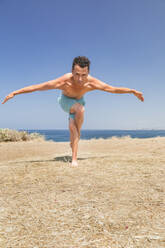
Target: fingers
139 95
4 101
141 98
7 98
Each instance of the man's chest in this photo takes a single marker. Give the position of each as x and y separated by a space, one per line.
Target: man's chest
77 89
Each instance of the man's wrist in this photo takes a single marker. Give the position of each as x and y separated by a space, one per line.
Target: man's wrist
15 93
132 91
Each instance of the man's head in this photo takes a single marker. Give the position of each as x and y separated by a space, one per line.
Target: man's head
80 69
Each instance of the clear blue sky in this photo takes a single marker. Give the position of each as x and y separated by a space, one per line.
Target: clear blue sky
125 41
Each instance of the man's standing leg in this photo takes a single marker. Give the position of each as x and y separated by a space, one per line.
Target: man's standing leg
74 138
78 110
75 128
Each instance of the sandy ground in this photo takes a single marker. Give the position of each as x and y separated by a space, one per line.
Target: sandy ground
115 198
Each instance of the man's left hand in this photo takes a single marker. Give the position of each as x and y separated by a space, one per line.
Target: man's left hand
139 95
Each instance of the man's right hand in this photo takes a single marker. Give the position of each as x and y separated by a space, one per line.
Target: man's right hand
11 95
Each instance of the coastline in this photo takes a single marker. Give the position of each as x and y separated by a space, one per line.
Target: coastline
62 135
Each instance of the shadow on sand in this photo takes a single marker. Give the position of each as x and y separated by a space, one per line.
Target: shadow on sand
65 159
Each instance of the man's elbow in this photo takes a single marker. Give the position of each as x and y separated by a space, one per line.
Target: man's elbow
42 86
50 85
110 89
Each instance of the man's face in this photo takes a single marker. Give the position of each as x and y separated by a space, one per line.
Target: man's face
80 74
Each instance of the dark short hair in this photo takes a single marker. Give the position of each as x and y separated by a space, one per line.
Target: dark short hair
82 61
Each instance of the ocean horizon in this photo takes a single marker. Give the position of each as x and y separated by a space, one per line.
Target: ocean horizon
62 135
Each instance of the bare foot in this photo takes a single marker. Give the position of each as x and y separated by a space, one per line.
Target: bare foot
74 163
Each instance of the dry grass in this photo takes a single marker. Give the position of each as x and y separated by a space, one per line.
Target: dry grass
115 198
10 135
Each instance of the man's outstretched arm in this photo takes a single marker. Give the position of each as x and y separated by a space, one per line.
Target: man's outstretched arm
99 85
49 85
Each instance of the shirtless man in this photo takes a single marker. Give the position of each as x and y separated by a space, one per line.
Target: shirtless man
74 85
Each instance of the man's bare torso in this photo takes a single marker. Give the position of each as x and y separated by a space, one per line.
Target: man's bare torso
74 89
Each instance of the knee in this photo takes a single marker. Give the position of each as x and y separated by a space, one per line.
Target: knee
77 108
71 126
80 110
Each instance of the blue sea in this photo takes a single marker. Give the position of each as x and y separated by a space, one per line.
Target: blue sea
63 135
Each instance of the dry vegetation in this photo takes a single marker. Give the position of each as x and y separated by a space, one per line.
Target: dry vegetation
11 135
115 198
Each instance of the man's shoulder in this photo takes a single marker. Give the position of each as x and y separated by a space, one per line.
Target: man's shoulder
69 74
96 83
61 81
66 76
92 80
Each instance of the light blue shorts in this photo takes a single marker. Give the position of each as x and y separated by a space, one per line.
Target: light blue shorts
67 102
